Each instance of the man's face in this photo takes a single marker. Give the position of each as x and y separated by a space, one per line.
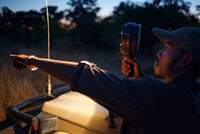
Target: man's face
168 58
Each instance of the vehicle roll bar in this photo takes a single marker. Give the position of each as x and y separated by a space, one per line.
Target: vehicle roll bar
17 113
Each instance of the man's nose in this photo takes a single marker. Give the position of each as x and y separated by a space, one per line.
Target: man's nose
159 53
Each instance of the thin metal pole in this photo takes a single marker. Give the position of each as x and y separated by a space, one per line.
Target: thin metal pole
48 32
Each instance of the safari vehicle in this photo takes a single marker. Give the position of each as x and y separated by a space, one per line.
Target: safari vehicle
66 113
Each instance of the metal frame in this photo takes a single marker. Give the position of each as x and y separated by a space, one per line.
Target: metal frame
30 119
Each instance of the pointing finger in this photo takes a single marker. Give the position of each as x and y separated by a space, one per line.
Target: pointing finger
13 55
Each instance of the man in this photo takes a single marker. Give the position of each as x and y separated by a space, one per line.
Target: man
147 106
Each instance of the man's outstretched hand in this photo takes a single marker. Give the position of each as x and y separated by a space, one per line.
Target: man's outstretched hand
126 67
19 61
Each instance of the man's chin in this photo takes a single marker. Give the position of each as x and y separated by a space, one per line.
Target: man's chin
157 75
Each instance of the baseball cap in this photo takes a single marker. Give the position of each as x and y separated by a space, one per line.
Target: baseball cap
187 37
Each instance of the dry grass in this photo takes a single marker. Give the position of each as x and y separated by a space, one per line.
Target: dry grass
14 88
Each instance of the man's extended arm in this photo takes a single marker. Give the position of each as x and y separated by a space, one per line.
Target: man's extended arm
135 99
59 69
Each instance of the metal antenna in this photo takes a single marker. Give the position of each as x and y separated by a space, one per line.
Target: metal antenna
49 90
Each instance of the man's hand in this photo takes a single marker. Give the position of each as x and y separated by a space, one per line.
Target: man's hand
126 67
59 69
19 61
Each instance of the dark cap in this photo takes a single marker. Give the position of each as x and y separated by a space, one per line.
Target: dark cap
187 37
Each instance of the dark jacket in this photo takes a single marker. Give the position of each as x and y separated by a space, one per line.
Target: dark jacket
147 106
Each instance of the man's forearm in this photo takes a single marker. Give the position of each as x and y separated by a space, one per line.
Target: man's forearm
59 69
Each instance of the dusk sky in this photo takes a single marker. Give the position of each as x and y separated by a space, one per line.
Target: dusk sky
106 5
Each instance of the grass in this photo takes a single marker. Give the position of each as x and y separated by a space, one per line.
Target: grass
18 86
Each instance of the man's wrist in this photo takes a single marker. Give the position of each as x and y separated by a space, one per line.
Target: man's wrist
29 63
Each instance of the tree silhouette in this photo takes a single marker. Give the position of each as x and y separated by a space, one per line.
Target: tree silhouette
198 9
53 13
6 18
84 29
82 14
82 11
6 15
166 14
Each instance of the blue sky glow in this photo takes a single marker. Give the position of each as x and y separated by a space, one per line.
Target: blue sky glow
107 6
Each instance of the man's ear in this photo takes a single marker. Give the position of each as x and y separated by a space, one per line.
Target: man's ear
185 61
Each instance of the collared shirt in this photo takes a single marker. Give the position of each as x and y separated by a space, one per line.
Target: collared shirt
147 106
